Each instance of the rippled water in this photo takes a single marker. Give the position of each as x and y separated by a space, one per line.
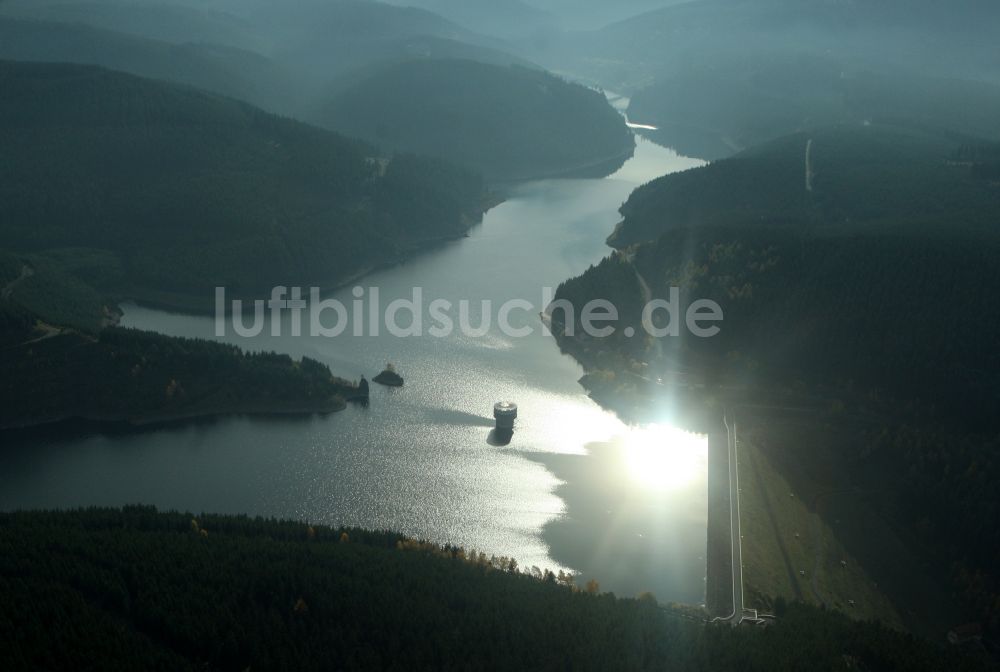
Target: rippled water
574 489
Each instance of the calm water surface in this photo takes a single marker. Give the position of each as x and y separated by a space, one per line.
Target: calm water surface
575 488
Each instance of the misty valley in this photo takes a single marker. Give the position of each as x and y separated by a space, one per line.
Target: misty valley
522 334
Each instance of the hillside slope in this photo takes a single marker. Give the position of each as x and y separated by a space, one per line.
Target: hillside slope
709 108
137 588
228 70
861 178
280 56
186 191
509 123
858 302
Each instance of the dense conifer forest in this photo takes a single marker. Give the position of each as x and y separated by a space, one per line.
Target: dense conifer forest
63 359
183 191
506 122
170 591
741 102
869 298
847 225
137 377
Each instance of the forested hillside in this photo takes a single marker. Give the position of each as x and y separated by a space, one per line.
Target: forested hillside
279 55
136 588
507 122
711 109
859 296
182 191
136 377
63 358
881 316
861 178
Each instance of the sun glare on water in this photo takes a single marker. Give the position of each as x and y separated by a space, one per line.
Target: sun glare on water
664 458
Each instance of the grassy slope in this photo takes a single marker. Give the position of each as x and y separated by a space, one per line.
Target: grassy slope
783 536
850 512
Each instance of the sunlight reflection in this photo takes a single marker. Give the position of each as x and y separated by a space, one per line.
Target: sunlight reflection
662 457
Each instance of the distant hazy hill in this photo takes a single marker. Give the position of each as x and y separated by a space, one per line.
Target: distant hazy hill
507 122
864 178
506 18
281 55
710 110
592 14
944 39
227 70
321 39
178 22
183 190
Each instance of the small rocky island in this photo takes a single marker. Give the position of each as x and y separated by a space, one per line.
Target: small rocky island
362 395
389 377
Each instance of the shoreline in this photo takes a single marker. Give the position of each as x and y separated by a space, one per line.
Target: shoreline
194 304
572 171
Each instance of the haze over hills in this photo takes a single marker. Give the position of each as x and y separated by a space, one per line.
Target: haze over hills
174 22
502 18
283 57
227 70
509 123
846 227
593 14
931 38
236 196
715 109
